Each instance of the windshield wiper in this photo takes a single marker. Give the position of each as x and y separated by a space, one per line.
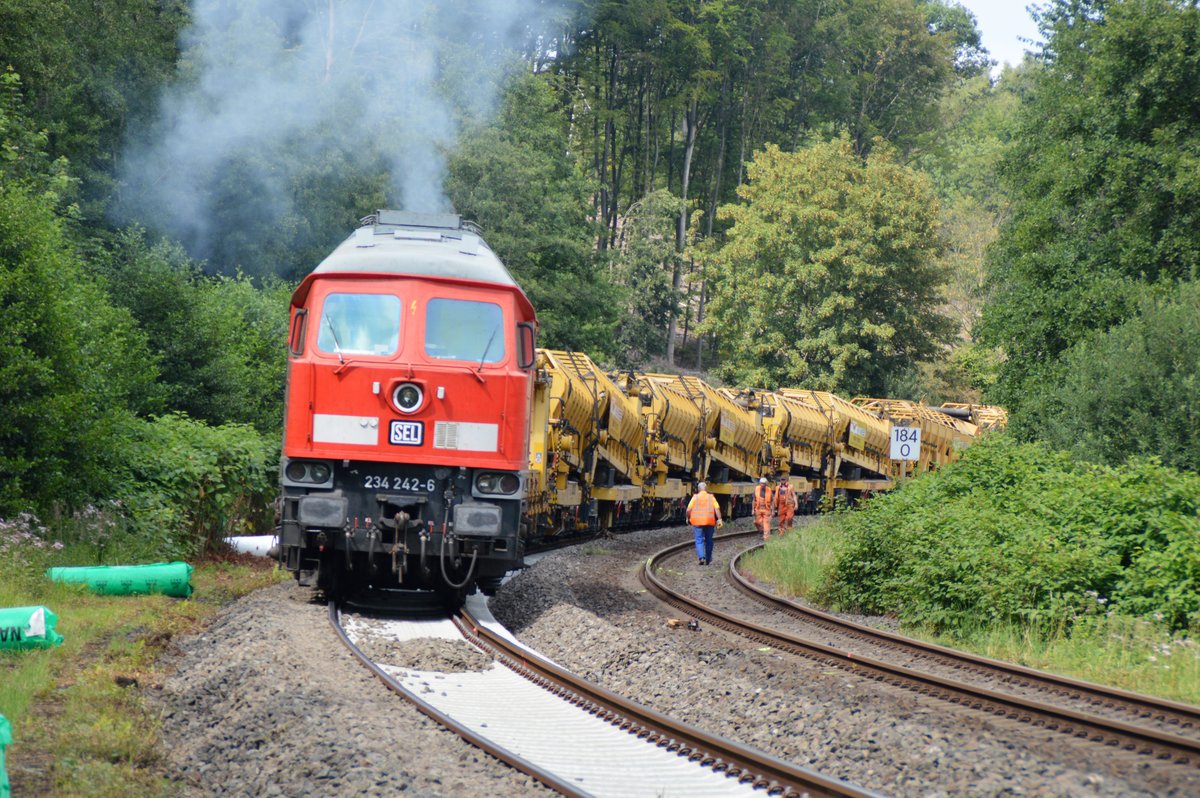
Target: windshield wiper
486 349
337 345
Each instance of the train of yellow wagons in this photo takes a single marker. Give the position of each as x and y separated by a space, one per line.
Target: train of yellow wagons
616 449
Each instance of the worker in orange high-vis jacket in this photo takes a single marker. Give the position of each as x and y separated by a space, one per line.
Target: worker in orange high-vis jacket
786 504
704 514
764 505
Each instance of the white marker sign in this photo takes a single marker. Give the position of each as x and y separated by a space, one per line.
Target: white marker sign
906 443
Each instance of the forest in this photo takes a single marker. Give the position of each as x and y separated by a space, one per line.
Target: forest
833 194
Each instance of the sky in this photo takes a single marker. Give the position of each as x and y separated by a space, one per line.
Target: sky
1003 23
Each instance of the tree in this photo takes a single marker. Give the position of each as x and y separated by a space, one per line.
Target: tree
1131 390
73 367
92 72
517 179
219 342
885 66
963 160
1103 179
826 279
951 18
643 262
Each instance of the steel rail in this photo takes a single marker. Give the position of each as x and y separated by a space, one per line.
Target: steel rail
1185 716
1127 736
504 755
746 764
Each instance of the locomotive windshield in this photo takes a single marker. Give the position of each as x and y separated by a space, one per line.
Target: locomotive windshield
459 329
361 324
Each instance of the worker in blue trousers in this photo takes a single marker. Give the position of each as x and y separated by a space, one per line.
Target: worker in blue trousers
704 514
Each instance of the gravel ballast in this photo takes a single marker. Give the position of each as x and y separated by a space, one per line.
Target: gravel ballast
585 608
267 701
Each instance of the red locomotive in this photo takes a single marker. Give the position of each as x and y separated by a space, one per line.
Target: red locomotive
410 375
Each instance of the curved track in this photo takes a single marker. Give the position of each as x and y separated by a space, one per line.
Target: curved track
729 766
1140 729
461 729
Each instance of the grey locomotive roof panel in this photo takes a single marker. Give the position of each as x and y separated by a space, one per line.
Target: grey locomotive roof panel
436 250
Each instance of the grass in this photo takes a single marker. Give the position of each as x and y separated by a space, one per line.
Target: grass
81 726
796 563
1130 653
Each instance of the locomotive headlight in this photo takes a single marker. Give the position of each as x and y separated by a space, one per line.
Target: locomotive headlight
307 472
497 483
408 397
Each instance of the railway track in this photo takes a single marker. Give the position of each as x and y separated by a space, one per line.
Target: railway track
574 736
1128 722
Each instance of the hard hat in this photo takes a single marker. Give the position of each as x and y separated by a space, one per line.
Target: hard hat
701 485
763 481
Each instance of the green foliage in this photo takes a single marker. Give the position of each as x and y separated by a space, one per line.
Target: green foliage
827 278
884 65
76 369
90 70
190 485
964 154
963 159
955 22
1103 177
961 376
23 149
1133 390
1020 533
518 181
744 73
71 364
643 262
219 342
241 226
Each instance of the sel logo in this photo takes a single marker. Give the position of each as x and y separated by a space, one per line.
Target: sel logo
406 433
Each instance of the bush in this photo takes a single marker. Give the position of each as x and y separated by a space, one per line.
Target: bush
1133 390
1022 533
72 365
191 485
219 342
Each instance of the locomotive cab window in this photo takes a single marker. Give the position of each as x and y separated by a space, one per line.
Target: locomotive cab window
359 324
460 329
296 339
526 345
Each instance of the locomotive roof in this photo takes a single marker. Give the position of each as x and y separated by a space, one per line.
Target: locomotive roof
419 245
440 247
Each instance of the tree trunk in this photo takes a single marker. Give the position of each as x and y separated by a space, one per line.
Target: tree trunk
690 120
651 120
747 129
687 316
610 149
723 124
671 152
599 203
639 148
